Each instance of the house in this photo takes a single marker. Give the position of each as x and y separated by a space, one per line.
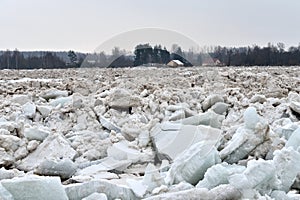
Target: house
217 62
175 63
212 62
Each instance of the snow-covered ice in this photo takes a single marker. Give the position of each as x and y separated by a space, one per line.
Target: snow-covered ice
150 133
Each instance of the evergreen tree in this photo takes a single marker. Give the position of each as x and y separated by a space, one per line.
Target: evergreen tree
72 58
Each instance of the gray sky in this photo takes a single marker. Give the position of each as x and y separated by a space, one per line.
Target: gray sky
82 25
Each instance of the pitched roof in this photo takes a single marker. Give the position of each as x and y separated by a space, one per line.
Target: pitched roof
178 62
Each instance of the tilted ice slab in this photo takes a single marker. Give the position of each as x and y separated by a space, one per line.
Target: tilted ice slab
267 176
211 100
64 168
208 118
35 188
4 194
247 138
61 101
53 94
294 99
218 193
111 189
287 163
171 139
294 140
45 110
105 164
53 147
123 99
219 174
137 187
8 125
36 133
122 151
20 99
259 175
29 109
191 165
109 125
10 173
152 178
285 127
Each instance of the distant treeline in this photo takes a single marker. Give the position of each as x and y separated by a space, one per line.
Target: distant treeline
39 59
271 55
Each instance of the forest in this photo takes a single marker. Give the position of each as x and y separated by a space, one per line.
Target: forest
143 54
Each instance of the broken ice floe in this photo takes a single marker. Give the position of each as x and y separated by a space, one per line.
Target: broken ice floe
124 133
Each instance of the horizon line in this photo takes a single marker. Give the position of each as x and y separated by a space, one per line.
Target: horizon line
87 52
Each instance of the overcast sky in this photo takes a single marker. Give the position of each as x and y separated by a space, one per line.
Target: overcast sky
82 25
